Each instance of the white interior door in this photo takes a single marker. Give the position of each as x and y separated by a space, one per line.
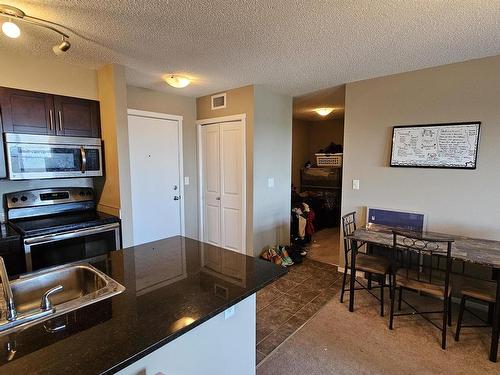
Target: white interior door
232 149
211 184
155 178
223 189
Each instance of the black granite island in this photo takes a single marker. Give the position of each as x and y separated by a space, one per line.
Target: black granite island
185 303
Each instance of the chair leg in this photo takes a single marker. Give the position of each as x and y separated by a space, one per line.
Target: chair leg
382 286
390 285
445 322
369 281
449 311
343 285
491 308
460 316
400 297
391 318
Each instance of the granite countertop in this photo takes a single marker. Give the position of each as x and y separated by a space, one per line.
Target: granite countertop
172 286
473 250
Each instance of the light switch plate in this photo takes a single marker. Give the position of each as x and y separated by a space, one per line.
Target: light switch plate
355 184
186 180
270 182
229 312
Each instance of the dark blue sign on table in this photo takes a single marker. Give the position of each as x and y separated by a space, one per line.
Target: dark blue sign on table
397 219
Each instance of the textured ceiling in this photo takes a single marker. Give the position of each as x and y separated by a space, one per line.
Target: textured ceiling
292 46
333 97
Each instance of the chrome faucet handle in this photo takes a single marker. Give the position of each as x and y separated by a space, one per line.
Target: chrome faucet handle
46 304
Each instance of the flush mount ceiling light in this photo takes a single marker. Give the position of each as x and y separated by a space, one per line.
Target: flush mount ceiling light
324 111
177 81
10 29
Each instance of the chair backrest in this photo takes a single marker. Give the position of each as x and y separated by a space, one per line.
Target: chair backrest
348 226
421 255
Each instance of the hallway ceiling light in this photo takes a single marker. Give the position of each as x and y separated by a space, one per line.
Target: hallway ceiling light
324 111
11 30
177 81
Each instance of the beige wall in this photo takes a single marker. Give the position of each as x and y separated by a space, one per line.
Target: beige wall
300 148
154 101
272 156
457 201
238 101
47 75
322 133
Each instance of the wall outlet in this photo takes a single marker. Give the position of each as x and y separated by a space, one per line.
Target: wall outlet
228 313
186 180
355 184
270 182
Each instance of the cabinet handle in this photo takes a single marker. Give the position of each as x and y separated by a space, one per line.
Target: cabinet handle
51 120
60 121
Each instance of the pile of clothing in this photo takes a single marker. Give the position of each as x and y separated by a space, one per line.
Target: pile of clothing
302 224
285 256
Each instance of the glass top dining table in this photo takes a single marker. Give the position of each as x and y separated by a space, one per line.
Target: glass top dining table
470 250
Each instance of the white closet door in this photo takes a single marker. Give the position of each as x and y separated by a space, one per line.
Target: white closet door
155 178
232 149
223 175
211 184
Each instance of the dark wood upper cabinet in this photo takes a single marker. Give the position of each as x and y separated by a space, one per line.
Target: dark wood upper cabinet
77 117
27 111
39 113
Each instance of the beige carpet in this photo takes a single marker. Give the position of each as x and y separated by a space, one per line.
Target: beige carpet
325 246
338 342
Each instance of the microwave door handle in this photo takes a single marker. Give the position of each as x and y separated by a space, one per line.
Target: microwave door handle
84 159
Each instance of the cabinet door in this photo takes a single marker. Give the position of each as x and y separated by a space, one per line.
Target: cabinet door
27 111
77 117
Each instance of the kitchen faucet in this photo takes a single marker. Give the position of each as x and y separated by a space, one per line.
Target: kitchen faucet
12 318
7 293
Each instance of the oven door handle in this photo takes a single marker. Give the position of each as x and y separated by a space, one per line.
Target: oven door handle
70 234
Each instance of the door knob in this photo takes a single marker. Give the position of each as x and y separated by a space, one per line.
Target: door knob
176 198
218 198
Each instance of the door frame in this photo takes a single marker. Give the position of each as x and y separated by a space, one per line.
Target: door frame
216 120
179 119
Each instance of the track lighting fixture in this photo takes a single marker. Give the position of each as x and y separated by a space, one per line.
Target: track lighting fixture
12 30
61 47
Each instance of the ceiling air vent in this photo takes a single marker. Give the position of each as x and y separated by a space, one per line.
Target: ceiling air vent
218 101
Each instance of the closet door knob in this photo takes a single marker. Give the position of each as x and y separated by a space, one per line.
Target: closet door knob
217 199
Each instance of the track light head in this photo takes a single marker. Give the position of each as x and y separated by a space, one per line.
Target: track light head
62 47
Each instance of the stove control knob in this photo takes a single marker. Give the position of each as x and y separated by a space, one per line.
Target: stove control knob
24 198
14 199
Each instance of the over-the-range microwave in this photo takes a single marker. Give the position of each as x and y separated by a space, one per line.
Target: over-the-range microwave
45 156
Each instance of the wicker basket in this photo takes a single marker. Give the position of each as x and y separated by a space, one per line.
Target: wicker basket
329 160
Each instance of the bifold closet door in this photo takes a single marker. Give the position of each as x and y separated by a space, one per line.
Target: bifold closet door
223 179
211 183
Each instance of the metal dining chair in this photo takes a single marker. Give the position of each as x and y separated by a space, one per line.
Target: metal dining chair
486 292
416 266
369 264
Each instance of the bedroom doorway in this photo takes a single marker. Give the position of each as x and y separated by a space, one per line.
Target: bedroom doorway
317 153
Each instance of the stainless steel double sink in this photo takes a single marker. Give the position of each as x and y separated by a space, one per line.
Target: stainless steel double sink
45 294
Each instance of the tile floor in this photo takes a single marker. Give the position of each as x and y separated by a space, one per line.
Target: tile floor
285 305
